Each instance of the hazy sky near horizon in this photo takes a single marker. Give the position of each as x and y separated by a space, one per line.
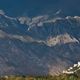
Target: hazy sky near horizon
37 7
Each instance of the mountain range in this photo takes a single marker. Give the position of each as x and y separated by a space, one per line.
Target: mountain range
40 45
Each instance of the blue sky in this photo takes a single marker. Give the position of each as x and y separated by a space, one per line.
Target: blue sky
37 7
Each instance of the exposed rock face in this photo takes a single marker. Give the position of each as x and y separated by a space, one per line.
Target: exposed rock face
38 46
61 39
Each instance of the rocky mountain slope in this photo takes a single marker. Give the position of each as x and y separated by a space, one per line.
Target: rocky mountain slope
38 46
72 73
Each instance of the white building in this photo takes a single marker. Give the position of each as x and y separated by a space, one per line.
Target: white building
70 68
78 64
68 72
75 65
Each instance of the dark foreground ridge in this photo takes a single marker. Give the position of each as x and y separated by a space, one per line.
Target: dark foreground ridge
60 77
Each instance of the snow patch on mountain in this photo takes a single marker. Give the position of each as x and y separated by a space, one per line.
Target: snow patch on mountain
8 17
61 39
39 21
